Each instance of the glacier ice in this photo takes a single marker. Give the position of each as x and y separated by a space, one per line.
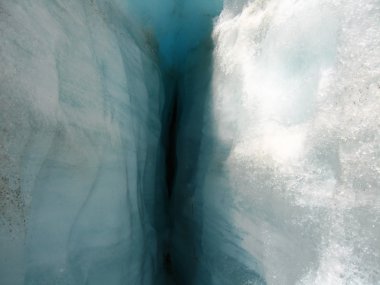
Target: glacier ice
259 117
285 187
80 131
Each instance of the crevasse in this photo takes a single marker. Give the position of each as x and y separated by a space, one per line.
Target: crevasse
189 142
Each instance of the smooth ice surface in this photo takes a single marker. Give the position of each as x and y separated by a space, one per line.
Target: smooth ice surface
284 187
177 26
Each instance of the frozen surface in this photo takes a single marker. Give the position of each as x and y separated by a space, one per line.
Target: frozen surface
278 143
178 26
81 101
284 185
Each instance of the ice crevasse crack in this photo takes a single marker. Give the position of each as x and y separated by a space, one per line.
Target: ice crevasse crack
194 142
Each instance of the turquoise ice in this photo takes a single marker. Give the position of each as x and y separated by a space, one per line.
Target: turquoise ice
260 118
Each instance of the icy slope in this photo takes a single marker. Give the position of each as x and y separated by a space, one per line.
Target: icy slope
280 183
81 102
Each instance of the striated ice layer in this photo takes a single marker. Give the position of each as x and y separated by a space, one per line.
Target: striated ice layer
276 142
278 177
80 122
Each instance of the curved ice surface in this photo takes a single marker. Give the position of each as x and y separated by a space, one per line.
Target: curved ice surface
277 142
81 98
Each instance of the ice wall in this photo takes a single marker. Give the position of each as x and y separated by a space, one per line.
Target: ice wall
278 181
179 26
81 193
275 137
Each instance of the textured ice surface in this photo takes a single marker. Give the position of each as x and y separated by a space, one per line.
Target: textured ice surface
277 178
81 101
284 187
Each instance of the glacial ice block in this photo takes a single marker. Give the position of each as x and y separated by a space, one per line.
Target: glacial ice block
279 172
81 101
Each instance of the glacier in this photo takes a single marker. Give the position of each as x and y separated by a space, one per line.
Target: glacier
169 142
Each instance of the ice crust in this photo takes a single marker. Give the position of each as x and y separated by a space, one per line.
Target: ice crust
277 178
284 187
